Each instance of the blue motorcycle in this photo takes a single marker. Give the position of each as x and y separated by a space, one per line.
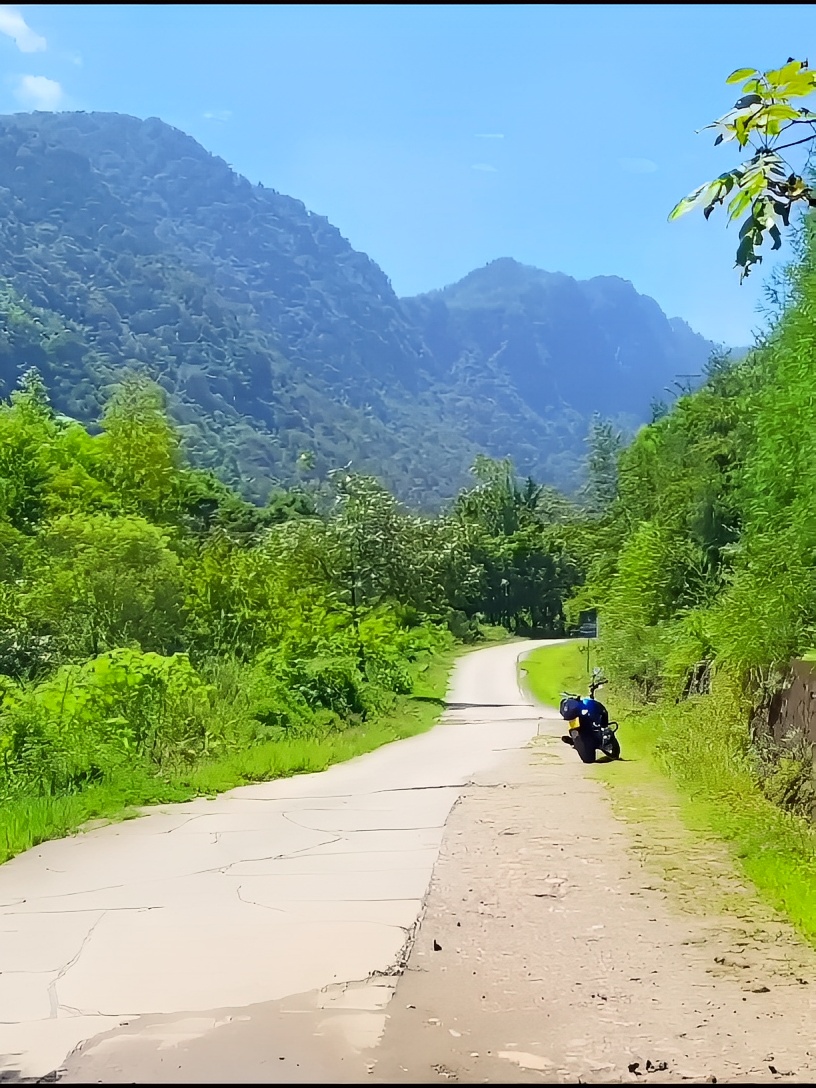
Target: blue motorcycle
590 730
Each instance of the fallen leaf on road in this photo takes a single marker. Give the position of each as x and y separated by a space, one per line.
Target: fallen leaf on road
731 961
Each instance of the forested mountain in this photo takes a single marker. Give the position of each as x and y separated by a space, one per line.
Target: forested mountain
124 242
596 345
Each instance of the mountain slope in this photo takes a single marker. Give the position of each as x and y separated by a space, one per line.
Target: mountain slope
128 243
270 333
596 345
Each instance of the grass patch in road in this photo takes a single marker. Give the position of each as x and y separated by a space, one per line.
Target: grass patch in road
27 821
697 813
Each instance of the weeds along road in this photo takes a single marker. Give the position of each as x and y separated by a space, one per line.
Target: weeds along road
145 938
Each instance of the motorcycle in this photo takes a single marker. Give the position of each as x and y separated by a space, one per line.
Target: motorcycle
590 729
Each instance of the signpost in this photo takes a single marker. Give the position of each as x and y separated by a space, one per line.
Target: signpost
588 629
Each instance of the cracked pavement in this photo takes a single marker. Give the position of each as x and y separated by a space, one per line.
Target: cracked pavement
305 884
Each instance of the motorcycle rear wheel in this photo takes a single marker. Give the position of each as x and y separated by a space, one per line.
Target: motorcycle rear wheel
583 745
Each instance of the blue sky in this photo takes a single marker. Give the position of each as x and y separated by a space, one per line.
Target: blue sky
439 138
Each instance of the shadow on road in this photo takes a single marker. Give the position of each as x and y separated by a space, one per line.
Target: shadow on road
477 706
461 706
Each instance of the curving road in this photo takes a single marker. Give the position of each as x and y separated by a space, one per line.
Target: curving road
267 891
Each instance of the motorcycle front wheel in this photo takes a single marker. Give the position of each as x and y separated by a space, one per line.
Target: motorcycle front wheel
612 748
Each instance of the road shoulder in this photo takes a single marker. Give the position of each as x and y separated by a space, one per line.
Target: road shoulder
548 951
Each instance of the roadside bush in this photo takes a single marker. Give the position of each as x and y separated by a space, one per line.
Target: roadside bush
89 720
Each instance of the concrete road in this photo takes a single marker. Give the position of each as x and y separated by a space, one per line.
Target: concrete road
267 891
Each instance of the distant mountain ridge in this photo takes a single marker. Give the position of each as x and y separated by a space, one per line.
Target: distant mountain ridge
587 343
128 243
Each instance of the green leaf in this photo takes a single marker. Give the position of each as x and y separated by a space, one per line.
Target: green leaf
749 229
738 205
740 74
746 255
799 87
687 203
711 193
770 119
726 136
783 112
782 75
746 101
756 184
741 130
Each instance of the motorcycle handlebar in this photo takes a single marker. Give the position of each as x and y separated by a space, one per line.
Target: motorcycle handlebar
593 687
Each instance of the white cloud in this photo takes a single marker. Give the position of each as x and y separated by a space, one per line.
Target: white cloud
38 92
484 166
489 135
637 166
14 26
217 115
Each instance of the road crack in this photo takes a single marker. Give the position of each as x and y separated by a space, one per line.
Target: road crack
53 998
264 906
224 869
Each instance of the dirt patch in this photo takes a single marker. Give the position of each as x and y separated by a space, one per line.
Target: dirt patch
321 1037
561 944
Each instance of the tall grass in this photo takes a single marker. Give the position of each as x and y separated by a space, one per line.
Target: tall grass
691 761
550 670
31 818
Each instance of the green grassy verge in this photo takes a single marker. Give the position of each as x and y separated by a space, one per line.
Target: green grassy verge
698 814
27 821
553 669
